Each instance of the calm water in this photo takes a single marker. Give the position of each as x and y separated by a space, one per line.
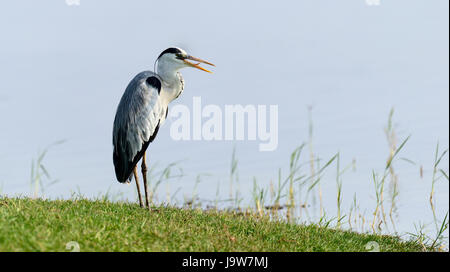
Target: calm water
64 69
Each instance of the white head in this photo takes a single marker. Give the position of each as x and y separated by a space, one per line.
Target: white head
173 59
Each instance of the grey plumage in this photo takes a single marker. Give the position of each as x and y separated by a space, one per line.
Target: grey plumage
140 113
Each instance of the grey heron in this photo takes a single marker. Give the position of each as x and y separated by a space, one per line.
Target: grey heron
143 109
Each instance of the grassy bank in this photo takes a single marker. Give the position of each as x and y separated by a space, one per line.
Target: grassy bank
44 225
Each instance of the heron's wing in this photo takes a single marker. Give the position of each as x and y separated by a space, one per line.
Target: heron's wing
136 123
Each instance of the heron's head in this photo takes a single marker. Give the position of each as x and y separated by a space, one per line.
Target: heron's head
175 58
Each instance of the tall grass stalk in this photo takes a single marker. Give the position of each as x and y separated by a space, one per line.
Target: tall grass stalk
233 172
258 196
40 178
435 178
379 186
440 233
155 179
339 190
293 169
312 159
391 137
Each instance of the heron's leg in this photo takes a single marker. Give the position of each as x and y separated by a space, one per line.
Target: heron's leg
137 185
144 174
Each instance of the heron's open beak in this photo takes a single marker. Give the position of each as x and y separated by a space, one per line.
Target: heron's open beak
196 65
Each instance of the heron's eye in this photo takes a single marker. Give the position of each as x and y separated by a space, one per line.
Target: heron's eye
179 56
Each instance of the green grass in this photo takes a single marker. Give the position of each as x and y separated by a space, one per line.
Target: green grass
48 225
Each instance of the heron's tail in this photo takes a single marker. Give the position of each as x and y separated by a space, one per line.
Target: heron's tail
122 168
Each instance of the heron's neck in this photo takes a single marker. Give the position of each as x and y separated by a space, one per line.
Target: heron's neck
173 83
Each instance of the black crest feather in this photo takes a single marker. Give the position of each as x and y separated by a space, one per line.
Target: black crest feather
170 50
